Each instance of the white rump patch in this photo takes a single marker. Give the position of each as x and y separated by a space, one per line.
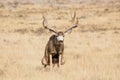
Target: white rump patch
60 38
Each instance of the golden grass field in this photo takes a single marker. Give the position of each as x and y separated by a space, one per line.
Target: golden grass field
92 50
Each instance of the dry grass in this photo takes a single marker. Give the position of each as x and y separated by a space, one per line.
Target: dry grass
91 51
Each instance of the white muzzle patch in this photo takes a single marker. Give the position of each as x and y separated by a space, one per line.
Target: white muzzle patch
60 38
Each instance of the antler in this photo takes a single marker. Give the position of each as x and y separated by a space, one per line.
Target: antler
46 26
73 16
74 25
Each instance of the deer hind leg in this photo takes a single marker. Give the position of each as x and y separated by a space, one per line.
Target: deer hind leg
51 65
44 62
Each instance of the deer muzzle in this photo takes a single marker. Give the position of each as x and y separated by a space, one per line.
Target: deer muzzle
60 38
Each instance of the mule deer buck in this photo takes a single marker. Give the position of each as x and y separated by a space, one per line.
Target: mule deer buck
55 46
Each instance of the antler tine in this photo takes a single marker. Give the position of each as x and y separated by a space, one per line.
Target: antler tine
46 26
44 22
73 16
74 19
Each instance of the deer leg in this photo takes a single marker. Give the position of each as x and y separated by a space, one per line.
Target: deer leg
43 61
51 65
60 58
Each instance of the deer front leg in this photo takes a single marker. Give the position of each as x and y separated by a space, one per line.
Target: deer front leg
51 62
60 59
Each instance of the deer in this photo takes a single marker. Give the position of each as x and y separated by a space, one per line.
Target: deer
54 49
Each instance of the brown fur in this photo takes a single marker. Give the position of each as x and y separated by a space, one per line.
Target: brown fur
54 48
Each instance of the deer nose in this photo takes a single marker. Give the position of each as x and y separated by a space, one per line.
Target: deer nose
60 38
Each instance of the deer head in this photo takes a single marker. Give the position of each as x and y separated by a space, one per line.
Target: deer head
60 35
